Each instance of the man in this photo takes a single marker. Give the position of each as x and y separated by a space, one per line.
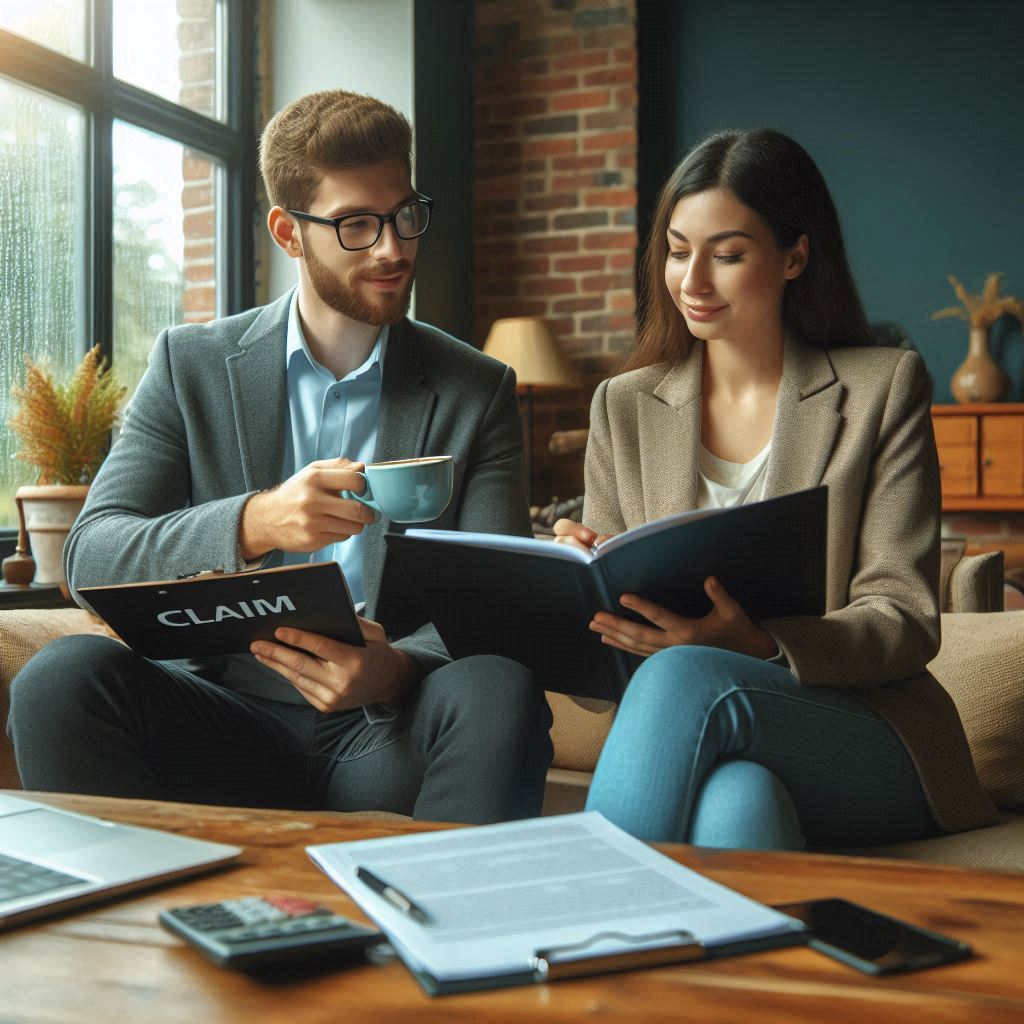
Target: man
234 451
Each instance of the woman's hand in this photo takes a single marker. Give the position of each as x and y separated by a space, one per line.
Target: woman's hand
568 531
726 626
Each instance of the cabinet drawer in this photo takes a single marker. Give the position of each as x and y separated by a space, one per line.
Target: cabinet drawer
955 430
1002 469
1008 430
958 467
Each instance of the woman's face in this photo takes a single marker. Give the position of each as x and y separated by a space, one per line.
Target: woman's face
724 270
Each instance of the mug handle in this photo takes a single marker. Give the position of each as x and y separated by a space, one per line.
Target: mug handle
366 498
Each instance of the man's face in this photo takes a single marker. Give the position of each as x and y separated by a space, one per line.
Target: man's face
372 286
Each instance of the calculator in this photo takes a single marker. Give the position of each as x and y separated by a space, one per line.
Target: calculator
265 931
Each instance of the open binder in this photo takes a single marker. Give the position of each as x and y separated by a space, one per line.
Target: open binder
545 899
532 601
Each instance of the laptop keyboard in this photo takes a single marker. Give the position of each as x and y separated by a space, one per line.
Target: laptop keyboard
20 878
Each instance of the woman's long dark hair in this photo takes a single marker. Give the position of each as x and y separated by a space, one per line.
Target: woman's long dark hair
774 176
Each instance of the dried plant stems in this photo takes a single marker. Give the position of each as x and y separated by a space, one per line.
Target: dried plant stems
64 429
985 309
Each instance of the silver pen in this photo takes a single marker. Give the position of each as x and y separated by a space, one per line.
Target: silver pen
392 895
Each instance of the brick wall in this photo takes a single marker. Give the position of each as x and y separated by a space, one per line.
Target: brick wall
554 199
197 68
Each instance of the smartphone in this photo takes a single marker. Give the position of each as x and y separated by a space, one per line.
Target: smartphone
872 942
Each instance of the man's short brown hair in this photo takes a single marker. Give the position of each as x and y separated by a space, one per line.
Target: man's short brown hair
327 131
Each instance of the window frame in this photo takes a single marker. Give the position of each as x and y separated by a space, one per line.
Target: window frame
103 99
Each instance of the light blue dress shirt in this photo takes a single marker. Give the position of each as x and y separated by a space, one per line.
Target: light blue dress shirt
328 418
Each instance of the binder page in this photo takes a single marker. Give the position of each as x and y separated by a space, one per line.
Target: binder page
495 894
671 521
504 542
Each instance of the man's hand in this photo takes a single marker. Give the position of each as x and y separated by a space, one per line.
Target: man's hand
726 626
334 676
306 512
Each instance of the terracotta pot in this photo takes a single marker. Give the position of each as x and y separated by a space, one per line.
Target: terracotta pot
49 513
979 378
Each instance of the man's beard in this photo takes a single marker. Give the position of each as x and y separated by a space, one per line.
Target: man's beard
344 298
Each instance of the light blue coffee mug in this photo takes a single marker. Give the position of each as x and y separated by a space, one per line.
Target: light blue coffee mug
408 490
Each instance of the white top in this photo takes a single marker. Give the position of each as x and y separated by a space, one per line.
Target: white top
722 484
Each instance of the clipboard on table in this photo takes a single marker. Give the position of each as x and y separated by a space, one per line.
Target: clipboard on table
545 899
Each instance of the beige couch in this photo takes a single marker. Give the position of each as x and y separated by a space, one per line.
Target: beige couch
981 664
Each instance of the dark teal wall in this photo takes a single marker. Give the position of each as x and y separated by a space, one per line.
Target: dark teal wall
915 114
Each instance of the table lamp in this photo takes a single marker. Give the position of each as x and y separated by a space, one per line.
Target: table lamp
525 344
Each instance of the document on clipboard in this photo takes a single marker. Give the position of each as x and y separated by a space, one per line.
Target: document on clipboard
538 900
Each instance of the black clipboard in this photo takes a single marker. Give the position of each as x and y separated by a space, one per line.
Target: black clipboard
218 613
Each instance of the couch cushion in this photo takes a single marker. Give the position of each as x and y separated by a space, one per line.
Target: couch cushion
577 734
981 665
22 633
997 848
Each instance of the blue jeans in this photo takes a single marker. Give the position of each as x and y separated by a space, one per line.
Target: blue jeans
720 749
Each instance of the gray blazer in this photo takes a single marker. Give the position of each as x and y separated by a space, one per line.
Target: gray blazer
205 430
857 420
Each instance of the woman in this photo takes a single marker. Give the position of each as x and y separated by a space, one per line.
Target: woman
754 376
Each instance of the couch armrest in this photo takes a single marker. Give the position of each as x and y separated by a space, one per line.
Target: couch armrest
22 633
975 584
981 666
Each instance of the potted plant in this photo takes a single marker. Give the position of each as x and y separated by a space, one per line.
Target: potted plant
980 378
64 431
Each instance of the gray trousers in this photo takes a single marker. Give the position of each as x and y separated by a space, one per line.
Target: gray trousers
90 716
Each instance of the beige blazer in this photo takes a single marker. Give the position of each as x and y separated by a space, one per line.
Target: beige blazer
857 420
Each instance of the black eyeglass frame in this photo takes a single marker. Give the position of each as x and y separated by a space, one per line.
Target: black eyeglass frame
382 219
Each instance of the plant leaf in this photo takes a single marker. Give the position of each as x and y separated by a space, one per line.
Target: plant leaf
949 311
990 290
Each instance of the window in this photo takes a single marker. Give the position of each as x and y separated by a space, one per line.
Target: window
127 182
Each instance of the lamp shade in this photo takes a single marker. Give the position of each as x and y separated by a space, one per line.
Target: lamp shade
525 344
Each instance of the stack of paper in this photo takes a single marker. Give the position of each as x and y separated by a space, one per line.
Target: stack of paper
521 901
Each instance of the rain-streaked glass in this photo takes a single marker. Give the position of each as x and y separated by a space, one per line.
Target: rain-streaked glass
165 223
42 254
61 25
173 49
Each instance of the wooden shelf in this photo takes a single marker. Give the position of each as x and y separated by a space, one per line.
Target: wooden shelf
981 448
35 595
955 503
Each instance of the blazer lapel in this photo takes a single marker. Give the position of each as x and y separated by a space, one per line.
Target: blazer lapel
668 421
259 394
406 406
807 419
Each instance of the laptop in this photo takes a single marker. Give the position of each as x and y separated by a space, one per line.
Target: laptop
51 860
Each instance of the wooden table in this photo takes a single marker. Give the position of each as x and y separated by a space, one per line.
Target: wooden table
113 962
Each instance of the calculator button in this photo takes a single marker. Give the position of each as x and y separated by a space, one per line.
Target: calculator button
294 906
207 918
314 923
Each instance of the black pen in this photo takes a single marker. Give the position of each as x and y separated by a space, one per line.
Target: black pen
392 895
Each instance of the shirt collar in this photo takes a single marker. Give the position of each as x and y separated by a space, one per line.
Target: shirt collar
296 346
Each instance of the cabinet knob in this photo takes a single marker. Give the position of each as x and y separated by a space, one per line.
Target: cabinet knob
987 463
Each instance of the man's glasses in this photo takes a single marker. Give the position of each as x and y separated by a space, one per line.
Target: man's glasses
357 231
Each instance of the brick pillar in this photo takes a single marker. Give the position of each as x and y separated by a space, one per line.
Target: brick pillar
198 68
554 200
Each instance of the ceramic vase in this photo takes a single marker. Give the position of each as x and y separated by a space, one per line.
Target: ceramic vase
979 378
49 511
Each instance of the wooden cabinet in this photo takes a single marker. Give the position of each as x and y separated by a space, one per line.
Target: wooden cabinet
981 456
